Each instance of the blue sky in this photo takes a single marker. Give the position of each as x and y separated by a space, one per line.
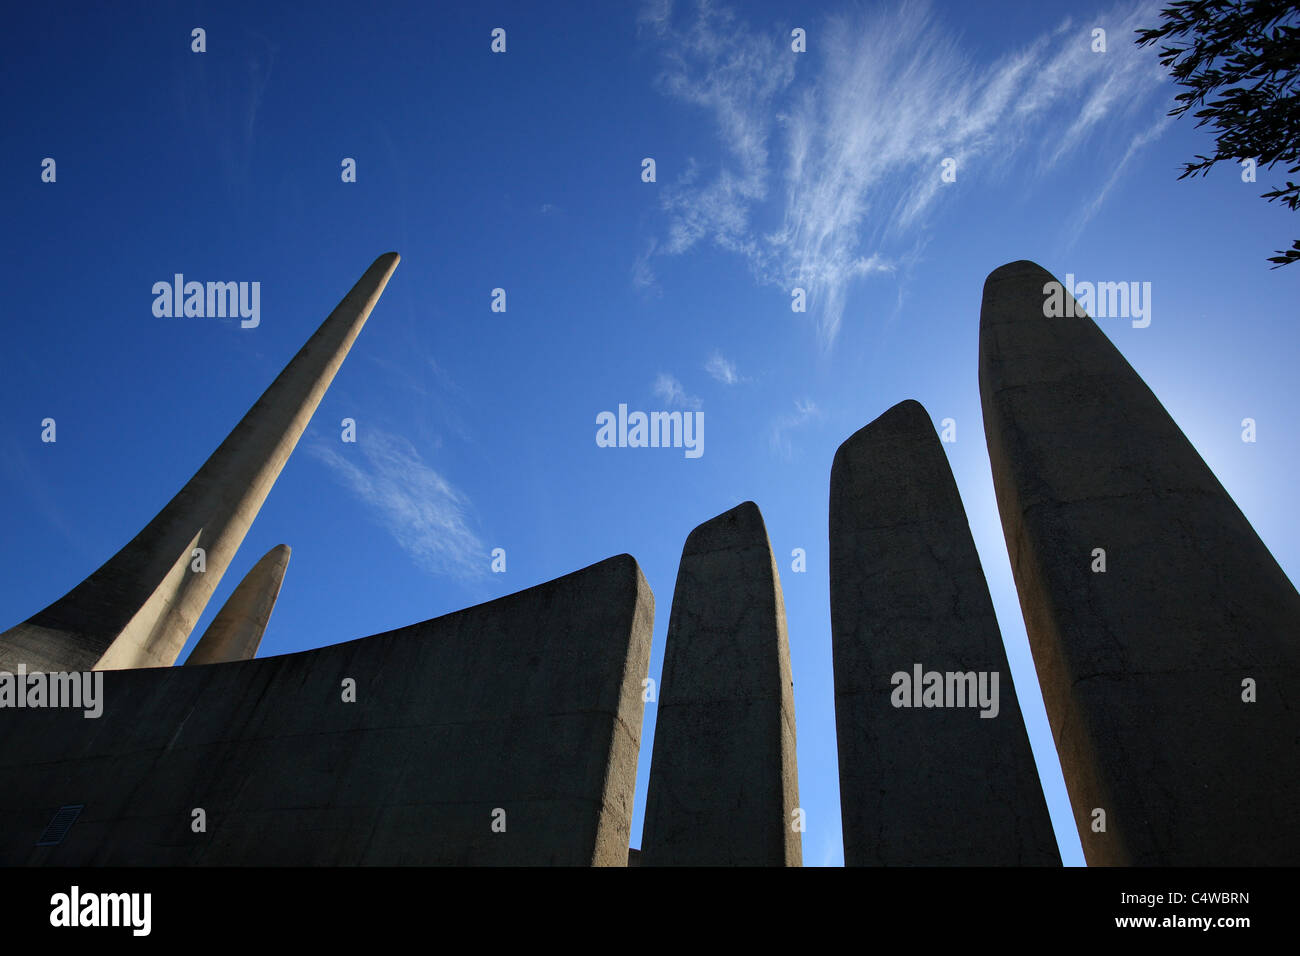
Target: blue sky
522 171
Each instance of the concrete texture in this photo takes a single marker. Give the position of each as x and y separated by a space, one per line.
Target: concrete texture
1141 667
530 704
139 608
922 786
236 632
723 781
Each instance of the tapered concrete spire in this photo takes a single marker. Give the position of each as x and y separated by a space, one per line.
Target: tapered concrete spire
138 609
925 779
236 632
724 787
1163 631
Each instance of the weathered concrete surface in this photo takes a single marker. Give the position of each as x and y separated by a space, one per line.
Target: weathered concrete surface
723 779
236 632
1141 667
530 703
925 786
139 608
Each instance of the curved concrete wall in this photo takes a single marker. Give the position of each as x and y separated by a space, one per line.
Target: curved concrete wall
529 704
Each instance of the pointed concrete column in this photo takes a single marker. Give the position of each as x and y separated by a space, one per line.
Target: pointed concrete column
1147 668
236 632
723 781
138 609
922 785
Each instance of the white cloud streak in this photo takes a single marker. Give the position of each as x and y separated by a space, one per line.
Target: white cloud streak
423 512
670 390
863 140
721 369
805 410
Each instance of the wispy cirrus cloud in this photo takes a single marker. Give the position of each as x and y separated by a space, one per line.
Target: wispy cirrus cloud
722 370
805 410
643 276
890 95
1139 141
671 392
423 512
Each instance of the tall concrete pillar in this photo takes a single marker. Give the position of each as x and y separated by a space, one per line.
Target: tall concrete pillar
1170 676
724 786
138 609
236 632
930 779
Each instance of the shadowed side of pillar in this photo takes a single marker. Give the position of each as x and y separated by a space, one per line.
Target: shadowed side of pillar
139 608
1144 666
724 785
236 632
504 734
927 783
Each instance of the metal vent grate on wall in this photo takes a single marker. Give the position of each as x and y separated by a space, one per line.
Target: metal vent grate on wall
58 827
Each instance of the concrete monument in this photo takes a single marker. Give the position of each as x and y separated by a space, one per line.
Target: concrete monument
139 608
236 632
929 775
1163 631
724 787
